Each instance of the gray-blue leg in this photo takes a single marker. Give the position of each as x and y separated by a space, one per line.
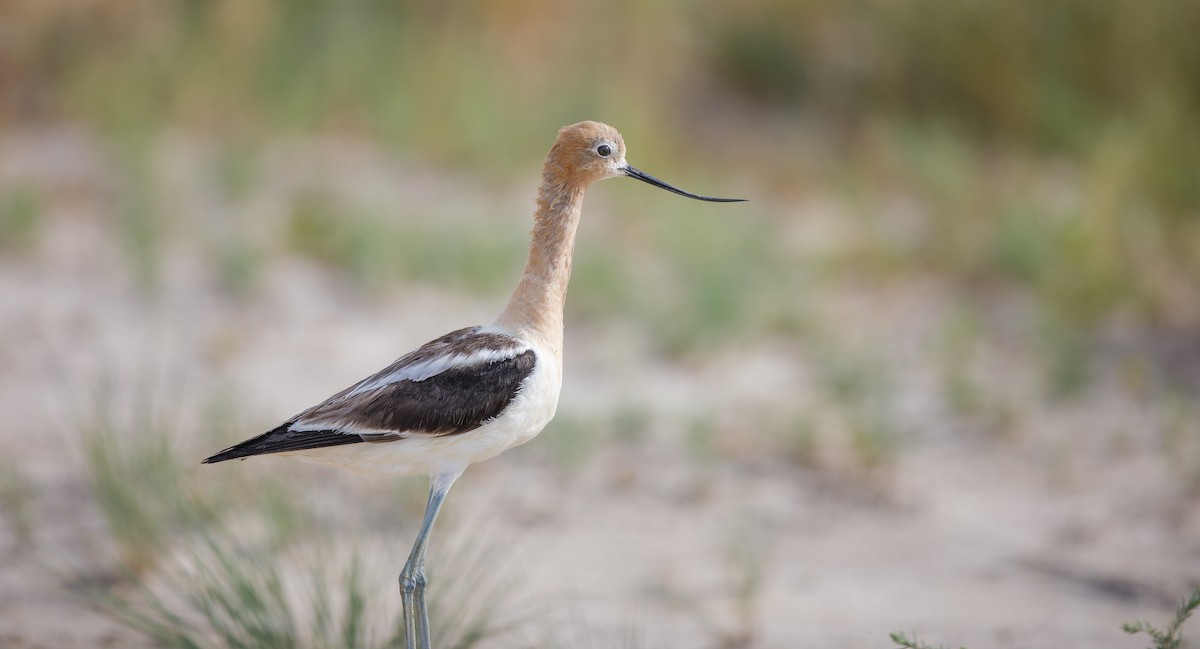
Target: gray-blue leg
412 578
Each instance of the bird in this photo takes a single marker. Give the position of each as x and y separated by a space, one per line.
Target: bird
474 392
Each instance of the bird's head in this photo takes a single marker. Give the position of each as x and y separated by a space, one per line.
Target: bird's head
587 152
591 151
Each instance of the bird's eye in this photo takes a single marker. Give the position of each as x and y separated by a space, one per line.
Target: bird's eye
604 150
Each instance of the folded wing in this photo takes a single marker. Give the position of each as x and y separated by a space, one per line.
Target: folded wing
449 386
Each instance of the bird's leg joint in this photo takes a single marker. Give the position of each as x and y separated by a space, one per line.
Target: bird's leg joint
412 579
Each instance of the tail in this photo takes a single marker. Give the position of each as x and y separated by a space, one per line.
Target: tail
284 439
247 448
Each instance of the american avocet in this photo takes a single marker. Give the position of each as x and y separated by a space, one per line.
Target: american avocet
475 392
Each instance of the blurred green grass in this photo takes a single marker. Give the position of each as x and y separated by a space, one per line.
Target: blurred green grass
1052 146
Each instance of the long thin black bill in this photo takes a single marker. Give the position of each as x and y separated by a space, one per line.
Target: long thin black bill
647 178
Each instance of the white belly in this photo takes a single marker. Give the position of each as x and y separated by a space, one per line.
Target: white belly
526 415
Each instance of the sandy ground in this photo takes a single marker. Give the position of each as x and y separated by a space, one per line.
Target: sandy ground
1049 535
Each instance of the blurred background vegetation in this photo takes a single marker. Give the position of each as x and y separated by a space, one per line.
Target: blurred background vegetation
1049 145
1020 156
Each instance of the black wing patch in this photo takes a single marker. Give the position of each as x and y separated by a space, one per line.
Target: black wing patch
457 400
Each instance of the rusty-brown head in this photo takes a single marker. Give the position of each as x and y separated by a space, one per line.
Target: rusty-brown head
591 151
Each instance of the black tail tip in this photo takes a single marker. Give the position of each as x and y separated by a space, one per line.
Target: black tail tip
228 454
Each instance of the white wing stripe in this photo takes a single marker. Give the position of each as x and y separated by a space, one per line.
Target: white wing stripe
424 369
307 427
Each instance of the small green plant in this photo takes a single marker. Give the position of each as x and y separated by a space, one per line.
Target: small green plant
913 642
1171 637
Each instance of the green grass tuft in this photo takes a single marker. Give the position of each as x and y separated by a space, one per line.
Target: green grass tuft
138 482
1170 637
242 561
912 642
